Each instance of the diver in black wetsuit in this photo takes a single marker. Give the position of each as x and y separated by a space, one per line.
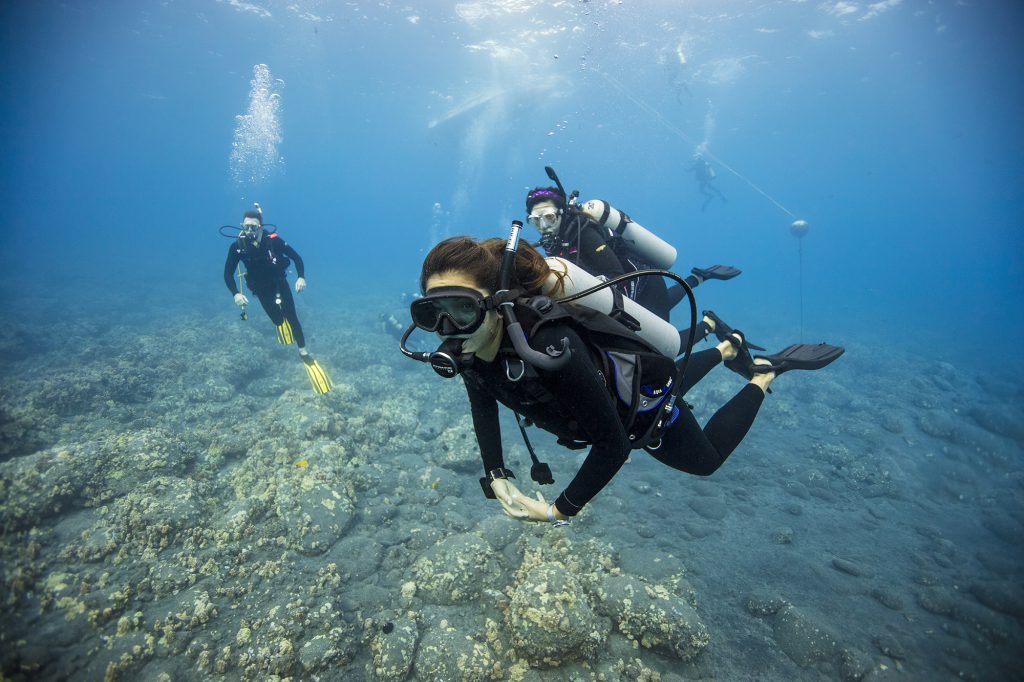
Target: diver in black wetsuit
575 401
705 174
572 235
266 257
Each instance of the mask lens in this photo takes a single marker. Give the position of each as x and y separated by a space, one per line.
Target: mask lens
426 314
545 220
250 230
463 312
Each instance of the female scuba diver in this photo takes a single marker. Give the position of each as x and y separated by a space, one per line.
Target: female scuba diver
575 372
605 242
266 257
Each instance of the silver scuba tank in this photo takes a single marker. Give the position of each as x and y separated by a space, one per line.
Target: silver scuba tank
638 240
653 329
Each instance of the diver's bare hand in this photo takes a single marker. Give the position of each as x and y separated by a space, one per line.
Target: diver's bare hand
510 497
520 506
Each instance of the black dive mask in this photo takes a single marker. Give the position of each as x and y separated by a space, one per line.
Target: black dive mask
450 310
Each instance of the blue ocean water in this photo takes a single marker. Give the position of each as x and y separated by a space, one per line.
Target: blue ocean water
369 130
890 127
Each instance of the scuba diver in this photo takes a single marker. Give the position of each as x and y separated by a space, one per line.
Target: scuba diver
574 371
390 325
703 171
389 322
606 242
266 257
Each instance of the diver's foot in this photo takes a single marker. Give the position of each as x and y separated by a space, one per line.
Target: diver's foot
767 363
728 347
740 360
763 379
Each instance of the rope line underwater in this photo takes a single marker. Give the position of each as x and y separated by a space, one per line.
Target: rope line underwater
679 133
798 228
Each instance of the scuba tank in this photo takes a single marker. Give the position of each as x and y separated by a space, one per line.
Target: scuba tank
652 329
637 239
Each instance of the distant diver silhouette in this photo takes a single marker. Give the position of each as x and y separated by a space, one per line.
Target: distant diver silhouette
705 174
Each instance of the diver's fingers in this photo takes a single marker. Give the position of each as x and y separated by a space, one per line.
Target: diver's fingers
501 490
513 511
513 491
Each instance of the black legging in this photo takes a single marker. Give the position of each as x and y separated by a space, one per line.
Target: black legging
653 295
660 298
675 293
285 310
689 448
684 337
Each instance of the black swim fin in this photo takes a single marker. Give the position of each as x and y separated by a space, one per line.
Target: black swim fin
801 356
722 272
722 330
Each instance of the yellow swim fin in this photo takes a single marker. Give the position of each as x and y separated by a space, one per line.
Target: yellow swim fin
284 333
317 376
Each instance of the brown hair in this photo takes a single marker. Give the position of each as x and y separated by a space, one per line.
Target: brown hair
481 261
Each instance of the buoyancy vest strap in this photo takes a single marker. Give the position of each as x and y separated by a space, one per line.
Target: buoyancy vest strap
619 313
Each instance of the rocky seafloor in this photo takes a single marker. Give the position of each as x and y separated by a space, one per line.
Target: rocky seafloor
178 504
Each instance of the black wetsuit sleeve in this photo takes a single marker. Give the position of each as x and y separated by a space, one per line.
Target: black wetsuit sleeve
229 270
300 267
580 391
596 256
487 427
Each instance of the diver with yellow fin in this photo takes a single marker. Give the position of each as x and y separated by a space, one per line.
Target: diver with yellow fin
266 257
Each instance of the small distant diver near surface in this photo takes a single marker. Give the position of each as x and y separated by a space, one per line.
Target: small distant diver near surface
607 243
572 370
705 175
266 257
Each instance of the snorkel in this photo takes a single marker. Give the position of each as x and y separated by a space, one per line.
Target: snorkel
551 358
570 199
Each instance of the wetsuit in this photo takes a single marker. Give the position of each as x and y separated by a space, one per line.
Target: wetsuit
265 269
574 404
